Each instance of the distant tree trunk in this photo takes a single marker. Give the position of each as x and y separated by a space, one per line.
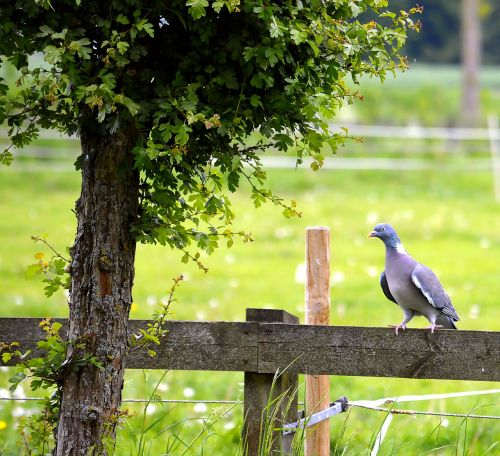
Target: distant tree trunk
471 61
102 272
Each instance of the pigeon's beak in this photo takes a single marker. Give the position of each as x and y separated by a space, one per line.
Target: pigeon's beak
373 234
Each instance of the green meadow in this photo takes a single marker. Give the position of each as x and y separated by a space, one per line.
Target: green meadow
447 218
449 221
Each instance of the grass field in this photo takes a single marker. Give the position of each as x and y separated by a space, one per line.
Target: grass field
447 220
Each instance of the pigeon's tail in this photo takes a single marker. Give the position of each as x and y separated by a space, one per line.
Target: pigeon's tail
452 324
446 322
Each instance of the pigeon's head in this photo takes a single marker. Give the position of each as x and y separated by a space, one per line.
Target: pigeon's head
387 233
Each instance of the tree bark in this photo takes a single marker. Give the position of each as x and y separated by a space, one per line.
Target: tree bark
102 270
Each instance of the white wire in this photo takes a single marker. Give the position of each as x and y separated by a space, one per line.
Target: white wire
367 404
391 412
425 397
420 412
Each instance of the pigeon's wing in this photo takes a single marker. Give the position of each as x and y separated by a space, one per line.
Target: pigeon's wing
425 280
385 287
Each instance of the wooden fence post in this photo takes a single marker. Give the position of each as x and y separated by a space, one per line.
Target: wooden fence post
260 391
317 313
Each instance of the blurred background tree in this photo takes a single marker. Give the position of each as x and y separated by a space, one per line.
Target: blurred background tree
439 41
465 33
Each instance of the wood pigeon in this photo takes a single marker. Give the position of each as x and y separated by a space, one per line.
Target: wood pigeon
411 285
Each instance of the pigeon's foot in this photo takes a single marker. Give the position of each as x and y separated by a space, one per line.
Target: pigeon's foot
433 327
398 327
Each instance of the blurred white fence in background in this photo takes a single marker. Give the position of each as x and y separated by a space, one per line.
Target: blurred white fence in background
494 137
414 140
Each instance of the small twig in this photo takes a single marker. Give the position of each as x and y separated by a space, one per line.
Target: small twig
157 327
57 254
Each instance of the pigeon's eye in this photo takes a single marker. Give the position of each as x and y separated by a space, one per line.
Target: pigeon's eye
383 228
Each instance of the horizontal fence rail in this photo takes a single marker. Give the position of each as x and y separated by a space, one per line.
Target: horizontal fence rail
263 347
469 165
415 132
485 139
371 131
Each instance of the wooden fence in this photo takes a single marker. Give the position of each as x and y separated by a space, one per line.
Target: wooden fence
272 341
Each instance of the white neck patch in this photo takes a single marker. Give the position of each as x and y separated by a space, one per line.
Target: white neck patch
401 249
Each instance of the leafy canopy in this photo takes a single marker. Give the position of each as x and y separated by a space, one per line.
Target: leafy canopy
196 78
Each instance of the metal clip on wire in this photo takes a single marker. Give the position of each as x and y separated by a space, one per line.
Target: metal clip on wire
339 406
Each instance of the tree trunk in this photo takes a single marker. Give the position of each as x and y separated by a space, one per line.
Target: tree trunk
471 62
102 271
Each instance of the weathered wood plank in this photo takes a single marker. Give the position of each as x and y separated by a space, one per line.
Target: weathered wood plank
333 350
26 331
189 345
378 352
194 345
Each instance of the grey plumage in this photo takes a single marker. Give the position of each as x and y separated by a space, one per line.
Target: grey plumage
411 285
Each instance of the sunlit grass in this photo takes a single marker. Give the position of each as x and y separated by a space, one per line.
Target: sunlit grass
448 221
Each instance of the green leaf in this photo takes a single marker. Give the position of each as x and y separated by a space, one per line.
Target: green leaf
276 28
46 30
121 19
33 270
81 48
197 8
144 25
217 5
131 105
6 157
298 36
283 141
182 134
122 47
228 78
52 54
35 384
233 179
149 29
6 357
16 379
56 326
